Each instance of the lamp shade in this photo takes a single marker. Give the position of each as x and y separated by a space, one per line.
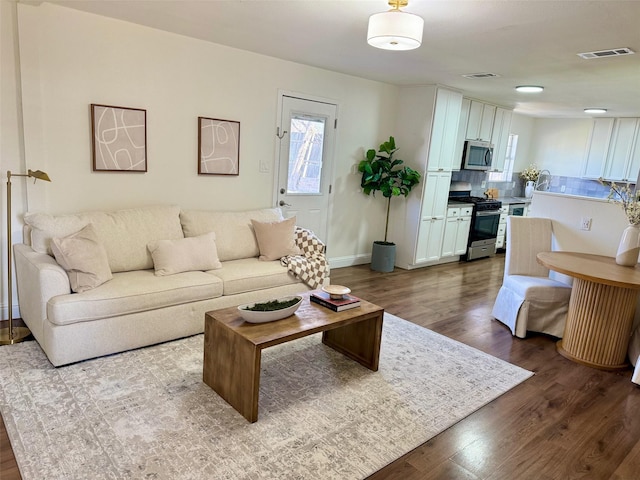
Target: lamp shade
395 30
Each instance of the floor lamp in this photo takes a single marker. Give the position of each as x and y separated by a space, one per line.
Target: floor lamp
10 335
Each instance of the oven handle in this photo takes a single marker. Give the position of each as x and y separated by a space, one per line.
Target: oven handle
486 213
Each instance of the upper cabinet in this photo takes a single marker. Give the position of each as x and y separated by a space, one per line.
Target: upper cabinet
444 132
486 122
613 151
500 138
480 122
427 127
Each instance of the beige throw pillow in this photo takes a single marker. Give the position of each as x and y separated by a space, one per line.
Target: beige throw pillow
185 255
84 258
276 239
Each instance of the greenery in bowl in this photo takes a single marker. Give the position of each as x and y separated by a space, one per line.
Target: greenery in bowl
272 305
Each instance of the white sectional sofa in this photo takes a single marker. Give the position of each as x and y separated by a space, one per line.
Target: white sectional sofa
130 303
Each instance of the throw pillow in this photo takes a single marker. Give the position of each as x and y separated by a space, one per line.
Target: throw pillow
84 258
185 254
276 239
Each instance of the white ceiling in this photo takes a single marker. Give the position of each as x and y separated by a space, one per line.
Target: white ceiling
523 41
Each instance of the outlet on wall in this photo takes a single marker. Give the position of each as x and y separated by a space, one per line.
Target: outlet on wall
483 184
585 223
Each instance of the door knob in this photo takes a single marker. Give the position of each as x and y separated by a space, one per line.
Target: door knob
283 191
282 203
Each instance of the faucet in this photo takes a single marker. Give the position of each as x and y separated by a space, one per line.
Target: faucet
543 185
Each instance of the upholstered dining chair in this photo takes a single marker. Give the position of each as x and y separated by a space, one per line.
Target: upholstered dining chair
529 300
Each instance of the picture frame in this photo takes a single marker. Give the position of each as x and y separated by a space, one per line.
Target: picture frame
218 146
119 138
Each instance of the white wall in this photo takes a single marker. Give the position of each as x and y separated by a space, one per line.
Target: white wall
11 152
523 127
607 222
559 144
69 59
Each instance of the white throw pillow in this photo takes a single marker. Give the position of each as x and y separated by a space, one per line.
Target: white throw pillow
276 239
84 258
185 254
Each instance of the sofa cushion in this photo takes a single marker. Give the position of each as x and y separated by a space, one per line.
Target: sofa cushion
276 239
250 274
185 254
132 292
84 259
234 233
125 234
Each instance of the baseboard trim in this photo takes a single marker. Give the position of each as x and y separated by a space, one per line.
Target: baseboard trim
349 261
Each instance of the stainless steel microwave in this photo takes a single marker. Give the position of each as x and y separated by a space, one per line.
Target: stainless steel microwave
477 155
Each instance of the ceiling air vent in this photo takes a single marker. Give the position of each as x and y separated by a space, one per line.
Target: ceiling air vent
614 52
480 75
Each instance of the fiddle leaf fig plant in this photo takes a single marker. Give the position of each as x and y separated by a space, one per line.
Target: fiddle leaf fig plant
383 173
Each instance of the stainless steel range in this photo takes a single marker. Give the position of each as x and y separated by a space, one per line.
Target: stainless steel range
484 221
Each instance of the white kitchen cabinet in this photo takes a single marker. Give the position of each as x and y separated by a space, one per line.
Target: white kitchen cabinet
429 239
432 221
427 126
444 131
502 227
597 148
480 122
426 133
623 157
462 134
456 231
424 223
500 138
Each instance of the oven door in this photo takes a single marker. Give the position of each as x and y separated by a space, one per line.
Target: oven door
484 228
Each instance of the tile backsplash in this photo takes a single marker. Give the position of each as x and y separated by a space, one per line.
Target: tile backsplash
515 188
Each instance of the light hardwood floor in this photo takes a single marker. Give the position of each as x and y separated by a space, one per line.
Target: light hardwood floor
567 422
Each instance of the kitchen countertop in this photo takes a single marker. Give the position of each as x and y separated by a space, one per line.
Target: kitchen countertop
512 200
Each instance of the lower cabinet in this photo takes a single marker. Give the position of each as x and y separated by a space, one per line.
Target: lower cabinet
502 227
429 239
456 231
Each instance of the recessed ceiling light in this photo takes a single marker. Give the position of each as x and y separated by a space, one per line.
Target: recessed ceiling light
595 110
529 88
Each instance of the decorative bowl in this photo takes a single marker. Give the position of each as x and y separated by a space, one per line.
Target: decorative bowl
336 292
261 316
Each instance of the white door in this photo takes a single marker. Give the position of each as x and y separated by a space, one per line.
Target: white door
305 166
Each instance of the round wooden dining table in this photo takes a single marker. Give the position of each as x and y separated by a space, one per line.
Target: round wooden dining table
601 309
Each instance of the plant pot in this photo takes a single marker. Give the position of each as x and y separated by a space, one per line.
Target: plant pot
383 256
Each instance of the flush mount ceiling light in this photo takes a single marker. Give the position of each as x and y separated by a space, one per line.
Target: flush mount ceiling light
529 88
395 29
595 110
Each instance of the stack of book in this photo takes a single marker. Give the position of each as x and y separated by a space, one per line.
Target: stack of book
337 305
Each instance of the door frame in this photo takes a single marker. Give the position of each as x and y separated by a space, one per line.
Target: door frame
276 170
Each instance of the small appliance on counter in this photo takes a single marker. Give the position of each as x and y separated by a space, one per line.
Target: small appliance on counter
484 221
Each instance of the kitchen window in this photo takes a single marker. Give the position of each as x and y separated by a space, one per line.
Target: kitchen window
506 174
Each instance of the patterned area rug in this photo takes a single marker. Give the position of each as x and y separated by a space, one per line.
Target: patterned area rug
147 414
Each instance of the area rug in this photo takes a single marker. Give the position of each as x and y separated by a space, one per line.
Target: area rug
147 414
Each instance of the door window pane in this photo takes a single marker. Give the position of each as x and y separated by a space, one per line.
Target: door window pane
305 155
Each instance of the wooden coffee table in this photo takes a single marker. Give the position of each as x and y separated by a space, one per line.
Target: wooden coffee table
233 347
